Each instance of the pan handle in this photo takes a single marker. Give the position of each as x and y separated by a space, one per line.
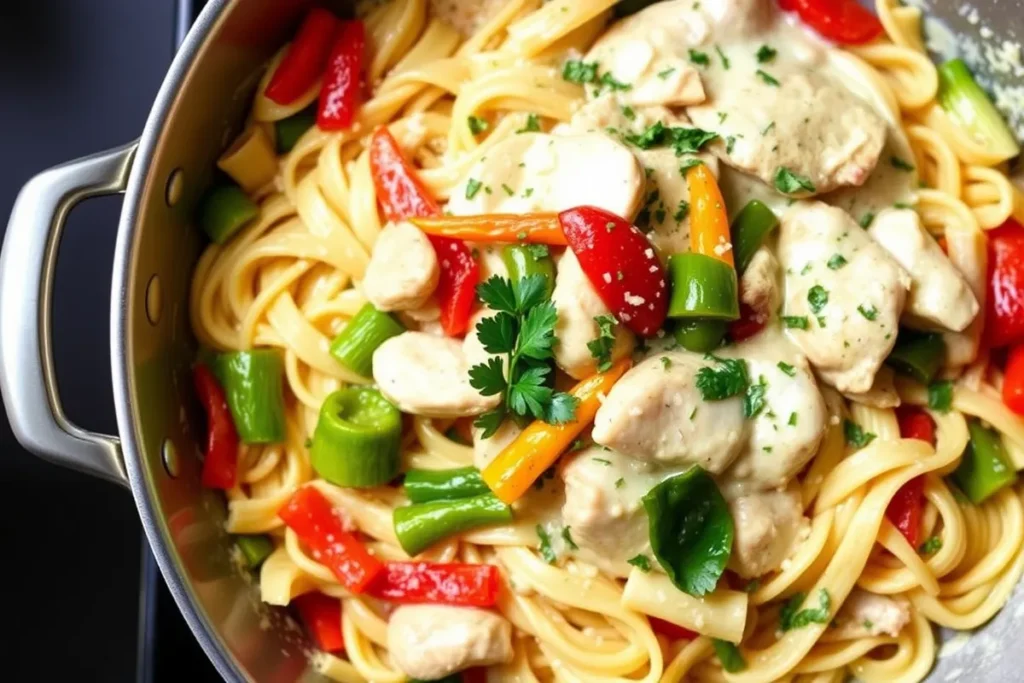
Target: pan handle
27 264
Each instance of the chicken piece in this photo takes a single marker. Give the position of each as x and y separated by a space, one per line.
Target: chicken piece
540 172
430 642
840 137
643 51
666 204
424 374
768 527
787 429
843 295
759 284
865 614
603 507
403 269
656 413
578 304
939 294
882 393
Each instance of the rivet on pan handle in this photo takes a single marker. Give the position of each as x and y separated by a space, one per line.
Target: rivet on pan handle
27 266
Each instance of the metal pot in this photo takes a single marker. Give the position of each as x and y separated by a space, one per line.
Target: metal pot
198 108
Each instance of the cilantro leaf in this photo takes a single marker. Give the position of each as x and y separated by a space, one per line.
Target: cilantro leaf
528 395
651 136
488 378
537 334
531 290
497 333
689 140
788 182
490 421
729 378
561 408
497 293
791 616
940 395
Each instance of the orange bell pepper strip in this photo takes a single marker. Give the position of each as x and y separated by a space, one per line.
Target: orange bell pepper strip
537 447
709 222
530 228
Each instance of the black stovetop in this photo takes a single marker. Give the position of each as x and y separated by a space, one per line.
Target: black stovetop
76 77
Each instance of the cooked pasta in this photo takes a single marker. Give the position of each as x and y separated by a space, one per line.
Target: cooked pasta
294 276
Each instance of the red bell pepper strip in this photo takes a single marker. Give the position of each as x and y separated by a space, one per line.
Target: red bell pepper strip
907 505
339 94
670 630
319 527
842 21
1013 380
1004 315
750 323
478 674
468 585
304 62
220 466
402 195
322 616
621 265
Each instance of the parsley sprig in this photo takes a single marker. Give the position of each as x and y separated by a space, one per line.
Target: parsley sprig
601 347
791 616
523 330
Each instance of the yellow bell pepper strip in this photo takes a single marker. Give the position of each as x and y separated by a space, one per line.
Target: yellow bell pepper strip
709 222
530 228
537 447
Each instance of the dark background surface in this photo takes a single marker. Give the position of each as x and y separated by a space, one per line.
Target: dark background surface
78 76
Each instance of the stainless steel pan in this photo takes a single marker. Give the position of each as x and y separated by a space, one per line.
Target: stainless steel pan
197 110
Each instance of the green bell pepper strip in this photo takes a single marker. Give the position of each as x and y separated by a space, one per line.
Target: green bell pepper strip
524 260
985 467
367 330
425 486
252 382
702 287
255 548
357 440
971 109
749 229
224 210
918 355
288 131
422 525
700 336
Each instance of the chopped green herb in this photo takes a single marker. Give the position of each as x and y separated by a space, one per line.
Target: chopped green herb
546 551
788 182
866 220
601 347
869 312
817 298
730 142
767 128
791 616
699 58
901 164
787 368
641 562
940 395
477 125
753 400
620 482
767 78
473 187
666 362
578 71
766 54
508 190
792 419
681 211
728 378
666 73
836 262
795 322
721 55
567 537
628 112
308 443
608 81
729 655
931 546
901 205
532 124
688 164
855 434
722 116
602 461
